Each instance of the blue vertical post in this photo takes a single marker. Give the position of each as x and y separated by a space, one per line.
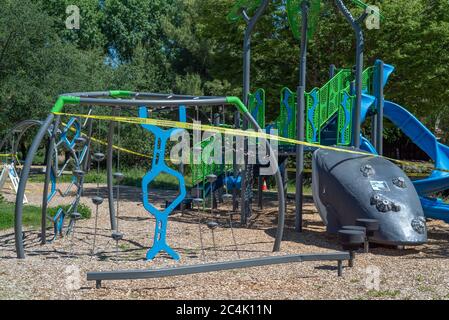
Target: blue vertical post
158 167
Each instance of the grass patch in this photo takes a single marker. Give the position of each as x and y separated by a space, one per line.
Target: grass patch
291 188
383 294
424 288
32 214
124 246
133 178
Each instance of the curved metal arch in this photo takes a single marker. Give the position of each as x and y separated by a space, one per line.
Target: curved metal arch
18 230
20 127
52 174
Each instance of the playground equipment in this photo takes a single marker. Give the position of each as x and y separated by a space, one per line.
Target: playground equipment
439 179
9 171
378 189
334 112
138 100
330 115
115 100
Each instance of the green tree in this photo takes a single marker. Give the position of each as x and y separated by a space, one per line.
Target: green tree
36 66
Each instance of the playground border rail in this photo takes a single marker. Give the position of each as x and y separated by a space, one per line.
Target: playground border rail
98 277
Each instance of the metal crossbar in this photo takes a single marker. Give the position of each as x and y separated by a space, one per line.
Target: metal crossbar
217 266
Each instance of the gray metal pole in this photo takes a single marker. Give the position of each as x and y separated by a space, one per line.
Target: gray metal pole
332 71
234 159
360 42
87 157
48 167
380 106
22 185
284 174
246 190
374 130
300 117
278 178
260 190
20 127
110 177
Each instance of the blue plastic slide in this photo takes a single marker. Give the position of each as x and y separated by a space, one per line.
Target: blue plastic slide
439 153
425 140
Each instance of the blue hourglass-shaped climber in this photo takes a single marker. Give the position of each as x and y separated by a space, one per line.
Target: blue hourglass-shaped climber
159 166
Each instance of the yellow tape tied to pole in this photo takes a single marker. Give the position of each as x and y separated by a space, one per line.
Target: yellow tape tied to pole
234 132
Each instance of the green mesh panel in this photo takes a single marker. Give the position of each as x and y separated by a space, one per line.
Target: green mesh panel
236 12
287 119
330 101
367 80
201 170
315 117
257 108
329 95
347 110
345 119
294 16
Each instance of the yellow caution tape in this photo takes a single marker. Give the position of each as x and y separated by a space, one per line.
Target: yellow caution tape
234 132
9 155
115 147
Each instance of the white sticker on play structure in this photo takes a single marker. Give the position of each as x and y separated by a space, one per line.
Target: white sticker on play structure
379 186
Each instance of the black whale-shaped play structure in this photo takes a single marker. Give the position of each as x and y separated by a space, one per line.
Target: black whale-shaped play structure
348 186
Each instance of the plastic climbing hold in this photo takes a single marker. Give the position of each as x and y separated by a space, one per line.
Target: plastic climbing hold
227 197
198 200
212 178
212 225
119 176
78 173
80 142
75 215
400 182
117 236
98 156
97 200
371 225
351 239
356 228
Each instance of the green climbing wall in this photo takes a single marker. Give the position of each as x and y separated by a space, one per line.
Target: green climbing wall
333 99
286 122
201 169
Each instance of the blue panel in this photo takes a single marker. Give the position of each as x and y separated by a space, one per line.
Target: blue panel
159 166
311 115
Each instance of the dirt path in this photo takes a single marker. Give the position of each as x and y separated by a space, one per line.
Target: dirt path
51 271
